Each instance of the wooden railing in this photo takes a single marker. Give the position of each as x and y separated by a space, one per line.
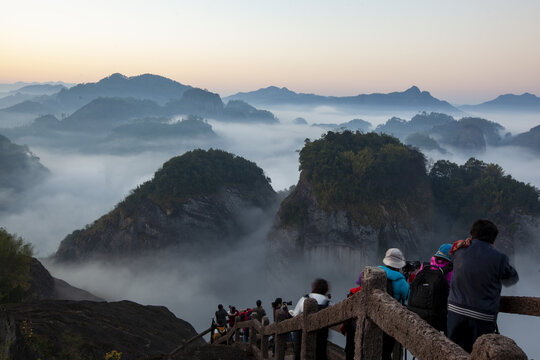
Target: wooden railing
375 311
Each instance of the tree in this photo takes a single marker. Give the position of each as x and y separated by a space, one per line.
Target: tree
15 258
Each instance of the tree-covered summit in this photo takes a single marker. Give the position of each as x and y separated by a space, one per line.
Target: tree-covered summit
197 173
350 168
372 176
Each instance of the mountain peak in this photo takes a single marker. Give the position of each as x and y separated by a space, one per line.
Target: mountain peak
413 90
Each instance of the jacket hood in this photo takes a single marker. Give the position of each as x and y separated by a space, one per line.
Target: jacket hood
391 274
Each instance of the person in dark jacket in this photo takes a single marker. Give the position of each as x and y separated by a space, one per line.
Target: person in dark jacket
260 310
475 290
221 316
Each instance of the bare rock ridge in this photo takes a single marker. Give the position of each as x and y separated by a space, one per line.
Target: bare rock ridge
199 199
88 330
44 286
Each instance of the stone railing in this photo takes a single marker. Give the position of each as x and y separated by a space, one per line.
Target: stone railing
375 311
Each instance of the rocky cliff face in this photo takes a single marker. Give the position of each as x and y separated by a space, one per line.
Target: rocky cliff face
335 239
88 330
208 221
44 286
201 200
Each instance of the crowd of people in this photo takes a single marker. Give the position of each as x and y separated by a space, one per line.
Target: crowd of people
457 292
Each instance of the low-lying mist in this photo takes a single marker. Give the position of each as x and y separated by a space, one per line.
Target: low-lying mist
83 187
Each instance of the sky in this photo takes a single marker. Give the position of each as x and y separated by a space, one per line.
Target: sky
461 51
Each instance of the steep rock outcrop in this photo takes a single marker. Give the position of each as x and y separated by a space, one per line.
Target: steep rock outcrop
43 286
358 194
335 238
88 330
198 200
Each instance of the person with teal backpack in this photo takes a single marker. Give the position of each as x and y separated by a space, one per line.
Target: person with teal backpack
397 287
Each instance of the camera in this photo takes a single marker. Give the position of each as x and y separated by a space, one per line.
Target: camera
287 303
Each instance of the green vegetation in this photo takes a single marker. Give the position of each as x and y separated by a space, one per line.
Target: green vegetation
15 258
375 178
365 174
476 189
196 173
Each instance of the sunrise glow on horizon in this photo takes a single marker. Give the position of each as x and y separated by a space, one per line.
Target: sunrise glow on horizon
460 51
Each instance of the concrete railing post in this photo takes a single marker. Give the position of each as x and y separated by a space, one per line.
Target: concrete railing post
280 339
496 347
309 339
264 339
237 332
252 334
368 337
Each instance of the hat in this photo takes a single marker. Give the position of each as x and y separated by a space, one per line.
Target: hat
394 258
444 252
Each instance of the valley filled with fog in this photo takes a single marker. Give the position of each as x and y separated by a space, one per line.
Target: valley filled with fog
83 185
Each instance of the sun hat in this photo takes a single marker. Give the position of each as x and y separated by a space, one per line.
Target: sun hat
444 252
394 258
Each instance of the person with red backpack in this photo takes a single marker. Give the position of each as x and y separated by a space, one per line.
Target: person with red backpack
428 295
245 315
348 328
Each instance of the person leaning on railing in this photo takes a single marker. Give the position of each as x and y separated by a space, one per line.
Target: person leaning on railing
480 271
319 291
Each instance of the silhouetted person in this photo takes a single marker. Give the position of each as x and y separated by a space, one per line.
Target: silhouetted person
221 316
475 290
260 310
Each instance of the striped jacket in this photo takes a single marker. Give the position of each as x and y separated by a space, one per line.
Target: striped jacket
479 273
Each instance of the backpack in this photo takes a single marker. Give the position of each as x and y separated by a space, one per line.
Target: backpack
428 295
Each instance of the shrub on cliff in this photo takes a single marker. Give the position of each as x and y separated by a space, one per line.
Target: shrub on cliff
15 258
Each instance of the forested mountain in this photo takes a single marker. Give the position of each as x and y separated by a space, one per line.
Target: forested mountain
437 131
146 87
19 169
353 125
509 102
103 114
197 199
359 194
529 139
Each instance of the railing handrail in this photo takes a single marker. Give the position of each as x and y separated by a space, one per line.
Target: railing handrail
372 307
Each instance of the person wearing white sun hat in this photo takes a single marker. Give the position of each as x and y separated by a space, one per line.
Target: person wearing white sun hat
397 286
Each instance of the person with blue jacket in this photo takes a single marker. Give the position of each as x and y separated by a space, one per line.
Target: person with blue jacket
393 262
480 271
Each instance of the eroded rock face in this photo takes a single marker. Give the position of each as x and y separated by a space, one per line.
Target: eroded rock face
88 330
334 237
210 220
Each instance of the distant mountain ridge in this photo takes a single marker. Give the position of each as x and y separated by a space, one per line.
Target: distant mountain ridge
412 99
147 86
508 102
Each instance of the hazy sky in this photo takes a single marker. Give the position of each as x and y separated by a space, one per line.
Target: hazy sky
460 50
